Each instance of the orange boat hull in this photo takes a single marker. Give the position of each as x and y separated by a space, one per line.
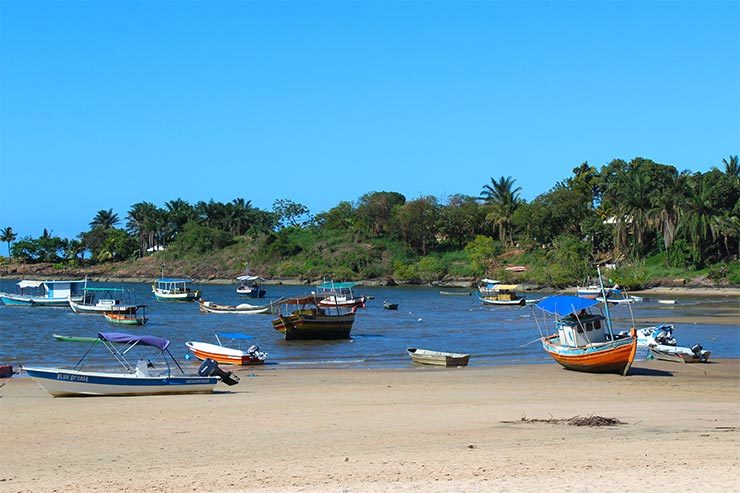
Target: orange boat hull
610 360
226 359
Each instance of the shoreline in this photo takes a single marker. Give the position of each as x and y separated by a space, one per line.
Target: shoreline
356 430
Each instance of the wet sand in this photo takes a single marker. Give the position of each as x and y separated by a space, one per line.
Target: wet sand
422 429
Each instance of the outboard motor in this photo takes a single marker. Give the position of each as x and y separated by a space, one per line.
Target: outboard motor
696 349
209 368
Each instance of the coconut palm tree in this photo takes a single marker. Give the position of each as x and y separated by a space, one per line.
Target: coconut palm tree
731 167
666 208
503 199
698 218
104 219
8 235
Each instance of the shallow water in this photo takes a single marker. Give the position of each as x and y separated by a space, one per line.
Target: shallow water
425 319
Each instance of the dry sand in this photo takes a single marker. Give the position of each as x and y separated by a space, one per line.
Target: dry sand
427 429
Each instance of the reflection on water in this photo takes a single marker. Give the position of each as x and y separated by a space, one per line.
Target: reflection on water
424 319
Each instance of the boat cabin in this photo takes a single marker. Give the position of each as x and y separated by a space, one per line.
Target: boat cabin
51 289
505 292
250 286
172 285
486 286
578 330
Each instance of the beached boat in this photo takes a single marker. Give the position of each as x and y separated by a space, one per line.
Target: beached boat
486 286
63 338
228 355
250 286
241 309
338 294
455 293
97 301
438 358
172 289
312 321
694 354
504 294
390 306
126 318
582 342
140 379
45 293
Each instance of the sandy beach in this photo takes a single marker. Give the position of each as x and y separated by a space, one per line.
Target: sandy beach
422 429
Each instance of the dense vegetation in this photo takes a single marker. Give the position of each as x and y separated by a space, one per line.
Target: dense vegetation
648 219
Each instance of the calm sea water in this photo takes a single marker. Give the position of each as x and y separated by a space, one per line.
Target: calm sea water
425 319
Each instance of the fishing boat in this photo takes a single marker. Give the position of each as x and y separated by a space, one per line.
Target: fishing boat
173 289
127 318
616 301
667 302
64 338
584 341
96 301
251 286
387 305
338 294
594 290
438 358
486 286
503 294
143 378
311 321
241 309
228 355
45 293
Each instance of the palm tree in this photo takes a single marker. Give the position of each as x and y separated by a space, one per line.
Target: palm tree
731 167
104 219
8 235
666 209
143 220
503 200
698 218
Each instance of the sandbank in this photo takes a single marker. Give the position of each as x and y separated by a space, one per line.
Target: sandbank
422 429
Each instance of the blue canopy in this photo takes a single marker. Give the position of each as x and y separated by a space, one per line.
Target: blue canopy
563 305
122 337
234 335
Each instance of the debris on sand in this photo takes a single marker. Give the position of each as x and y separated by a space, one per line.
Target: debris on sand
590 420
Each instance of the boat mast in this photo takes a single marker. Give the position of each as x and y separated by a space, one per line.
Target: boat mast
606 303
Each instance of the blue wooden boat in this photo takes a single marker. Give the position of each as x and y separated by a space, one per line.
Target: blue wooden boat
45 293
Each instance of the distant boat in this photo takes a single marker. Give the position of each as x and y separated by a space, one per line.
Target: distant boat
45 293
338 294
97 301
581 342
667 302
486 286
64 338
228 355
174 289
126 318
594 290
438 358
311 321
250 286
241 309
503 294
617 301
390 306
455 293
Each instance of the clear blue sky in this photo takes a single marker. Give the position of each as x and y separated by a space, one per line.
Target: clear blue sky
104 104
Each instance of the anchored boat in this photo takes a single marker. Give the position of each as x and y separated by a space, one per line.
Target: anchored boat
173 289
311 321
45 293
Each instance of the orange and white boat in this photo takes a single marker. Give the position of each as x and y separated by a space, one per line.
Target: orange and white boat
226 355
584 341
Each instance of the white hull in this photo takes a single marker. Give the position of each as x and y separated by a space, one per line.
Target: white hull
438 358
488 301
679 354
101 308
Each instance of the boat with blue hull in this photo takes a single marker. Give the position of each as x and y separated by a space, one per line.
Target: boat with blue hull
47 293
144 378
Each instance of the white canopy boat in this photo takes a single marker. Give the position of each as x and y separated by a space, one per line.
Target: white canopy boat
140 379
44 293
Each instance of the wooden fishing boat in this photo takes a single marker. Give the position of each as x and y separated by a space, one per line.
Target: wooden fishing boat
667 302
125 318
390 306
241 309
64 338
172 289
311 321
140 379
455 293
97 301
338 294
44 293
227 355
581 342
486 286
438 358
504 295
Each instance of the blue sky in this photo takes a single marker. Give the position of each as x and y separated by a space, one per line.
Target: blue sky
104 104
